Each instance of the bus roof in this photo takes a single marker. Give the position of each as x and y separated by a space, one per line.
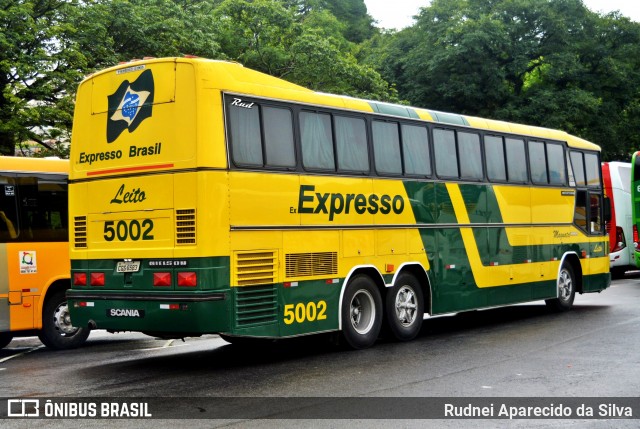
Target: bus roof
234 77
42 165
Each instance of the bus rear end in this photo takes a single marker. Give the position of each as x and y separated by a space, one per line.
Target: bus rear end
134 189
616 177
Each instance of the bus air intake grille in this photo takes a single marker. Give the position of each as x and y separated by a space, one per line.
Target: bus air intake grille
80 232
186 227
256 305
255 268
311 264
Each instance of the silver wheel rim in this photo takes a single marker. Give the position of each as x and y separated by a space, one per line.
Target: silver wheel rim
406 306
362 312
565 285
62 320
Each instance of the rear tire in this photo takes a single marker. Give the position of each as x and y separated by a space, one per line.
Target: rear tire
404 307
5 339
57 331
361 313
566 290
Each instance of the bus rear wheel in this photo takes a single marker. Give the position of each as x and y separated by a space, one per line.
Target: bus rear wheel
404 307
57 331
566 290
361 313
5 339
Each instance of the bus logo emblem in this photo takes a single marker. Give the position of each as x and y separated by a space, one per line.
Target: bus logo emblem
28 264
131 104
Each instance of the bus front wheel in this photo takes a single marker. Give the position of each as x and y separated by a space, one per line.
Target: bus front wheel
404 307
57 331
566 290
5 339
361 313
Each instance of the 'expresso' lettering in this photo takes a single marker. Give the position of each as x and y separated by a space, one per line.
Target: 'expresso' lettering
311 202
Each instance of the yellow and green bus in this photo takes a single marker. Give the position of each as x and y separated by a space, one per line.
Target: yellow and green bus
34 252
206 197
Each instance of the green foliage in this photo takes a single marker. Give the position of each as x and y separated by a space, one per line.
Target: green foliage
305 47
39 68
551 63
47 46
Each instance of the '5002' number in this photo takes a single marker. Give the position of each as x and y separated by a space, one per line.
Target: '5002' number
123 230
308 312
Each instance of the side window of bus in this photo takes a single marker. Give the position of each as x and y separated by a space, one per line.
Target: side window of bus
494 155
43 209
538 163
317 141
244 132
580 216
577 162
516 161
415 150
592 169
351 144
557 167
8 209
595 220
386 147
444 147
248 125
278 137
470 156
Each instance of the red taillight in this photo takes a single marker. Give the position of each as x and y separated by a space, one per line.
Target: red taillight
620 241
188 279
97 279
162 279
635 237
79 279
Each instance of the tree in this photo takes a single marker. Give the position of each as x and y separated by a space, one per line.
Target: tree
303 45
39 68
550 63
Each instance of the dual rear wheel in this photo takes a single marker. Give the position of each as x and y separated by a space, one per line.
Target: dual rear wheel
362 310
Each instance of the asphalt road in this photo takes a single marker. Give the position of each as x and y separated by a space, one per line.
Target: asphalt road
516 351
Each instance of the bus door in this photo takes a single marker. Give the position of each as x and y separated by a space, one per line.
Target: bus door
8 233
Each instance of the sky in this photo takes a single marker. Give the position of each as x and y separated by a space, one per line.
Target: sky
397 13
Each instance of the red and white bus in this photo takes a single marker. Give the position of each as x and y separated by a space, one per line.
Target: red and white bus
617 183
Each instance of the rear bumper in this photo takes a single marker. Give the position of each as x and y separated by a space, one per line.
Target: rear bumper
170 313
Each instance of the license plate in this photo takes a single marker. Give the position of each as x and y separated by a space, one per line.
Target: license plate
128 267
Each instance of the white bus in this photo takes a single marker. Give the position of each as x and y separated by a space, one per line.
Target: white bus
617 183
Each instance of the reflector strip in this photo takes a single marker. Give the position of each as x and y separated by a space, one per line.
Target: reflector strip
332 281
86 304
290 284
130 169
169 306
449 267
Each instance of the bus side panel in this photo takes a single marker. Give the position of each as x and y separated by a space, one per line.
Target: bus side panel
31 267
4 289
475 267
